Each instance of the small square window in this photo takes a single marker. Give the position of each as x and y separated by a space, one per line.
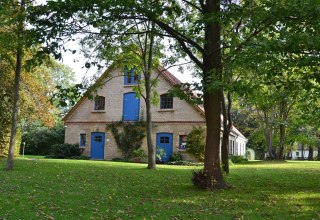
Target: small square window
98 138
297 154
83 140
182 142
164 140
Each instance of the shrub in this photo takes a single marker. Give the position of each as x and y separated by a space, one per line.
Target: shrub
160 152
196 142
81 157
118 159
65 151
39 139
176 157
139 154
238 159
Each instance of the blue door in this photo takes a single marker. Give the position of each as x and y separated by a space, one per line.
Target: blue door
164 141
97 145
131 107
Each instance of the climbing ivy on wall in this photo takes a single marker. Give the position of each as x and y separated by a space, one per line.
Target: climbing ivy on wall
128 136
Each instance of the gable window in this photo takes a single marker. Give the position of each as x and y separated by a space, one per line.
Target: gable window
130 77
99 103
83 140
166 101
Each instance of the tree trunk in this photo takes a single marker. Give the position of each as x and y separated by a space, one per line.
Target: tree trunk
269 133
268 136
212 71
318 156
151 148
15 109
302 151
310 155
283 114
282 139
226 131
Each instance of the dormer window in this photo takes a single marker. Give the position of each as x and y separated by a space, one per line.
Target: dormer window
130 77
166 101
99 103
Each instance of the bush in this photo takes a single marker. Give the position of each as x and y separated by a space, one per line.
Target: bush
118 159
176 157
238 159
160 152
81 157
196 142
65 151
39 139
139 154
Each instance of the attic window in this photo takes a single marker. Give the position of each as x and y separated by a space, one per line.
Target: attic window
166 101
130 77
99 103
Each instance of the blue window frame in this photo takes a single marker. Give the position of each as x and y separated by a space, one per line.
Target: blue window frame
83 140
131 107
130 77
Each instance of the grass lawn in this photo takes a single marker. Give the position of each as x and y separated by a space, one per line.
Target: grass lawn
70 189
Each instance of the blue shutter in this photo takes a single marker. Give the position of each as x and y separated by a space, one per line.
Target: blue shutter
131 107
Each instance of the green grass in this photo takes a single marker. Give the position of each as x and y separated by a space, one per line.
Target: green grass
70 189
32 156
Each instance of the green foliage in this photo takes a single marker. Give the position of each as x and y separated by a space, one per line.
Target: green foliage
139 154
39 139
4 144
196 142
160 152
175 157
130 138
238 159
65 151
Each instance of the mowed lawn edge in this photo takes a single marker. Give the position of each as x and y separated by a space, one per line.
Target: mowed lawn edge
74 189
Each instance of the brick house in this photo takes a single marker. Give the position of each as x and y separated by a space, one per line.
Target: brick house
86 123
